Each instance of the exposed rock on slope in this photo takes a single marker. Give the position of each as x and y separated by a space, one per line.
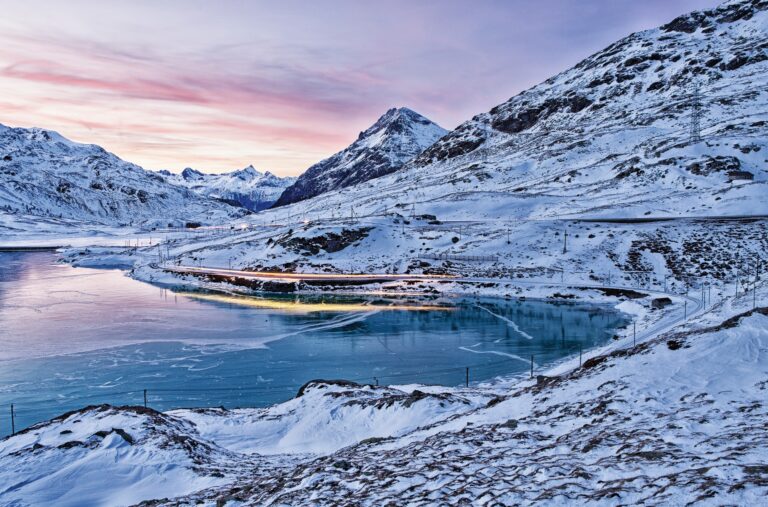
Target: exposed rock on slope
44 174
395 138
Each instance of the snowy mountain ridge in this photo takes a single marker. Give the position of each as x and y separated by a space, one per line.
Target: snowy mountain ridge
398 135
610 136
247 187
607 139
44 174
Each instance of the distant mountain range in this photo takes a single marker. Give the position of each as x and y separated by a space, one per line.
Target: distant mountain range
397 137
42 173
611 136
246 187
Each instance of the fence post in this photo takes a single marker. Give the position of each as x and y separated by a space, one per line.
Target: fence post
467 378
145 398
531 365
579 356
685 310
376 380
634 333
13 422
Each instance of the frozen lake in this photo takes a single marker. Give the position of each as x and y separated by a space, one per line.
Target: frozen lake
71 337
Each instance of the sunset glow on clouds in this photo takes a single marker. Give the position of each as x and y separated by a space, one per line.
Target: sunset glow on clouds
221 85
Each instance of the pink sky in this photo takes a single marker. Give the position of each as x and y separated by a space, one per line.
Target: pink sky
280 85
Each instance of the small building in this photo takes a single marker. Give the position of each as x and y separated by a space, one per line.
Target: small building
740 175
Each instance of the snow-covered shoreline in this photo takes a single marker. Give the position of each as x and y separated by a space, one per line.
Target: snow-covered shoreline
324 434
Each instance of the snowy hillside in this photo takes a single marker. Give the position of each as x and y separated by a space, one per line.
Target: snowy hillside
397 137
612 136
47 175
247 187
607 139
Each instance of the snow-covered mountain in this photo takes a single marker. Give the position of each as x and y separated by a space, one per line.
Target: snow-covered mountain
397 137
609 138
44 174
612 135
247 187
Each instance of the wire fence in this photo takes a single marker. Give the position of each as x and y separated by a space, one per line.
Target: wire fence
458 257
27 410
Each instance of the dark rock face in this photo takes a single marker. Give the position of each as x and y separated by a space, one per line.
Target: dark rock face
709 165
330 242
397 137
688 23
524 119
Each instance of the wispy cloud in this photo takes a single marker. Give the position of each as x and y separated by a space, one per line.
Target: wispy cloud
280 86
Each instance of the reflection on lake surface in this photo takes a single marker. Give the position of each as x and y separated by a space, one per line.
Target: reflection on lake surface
73 336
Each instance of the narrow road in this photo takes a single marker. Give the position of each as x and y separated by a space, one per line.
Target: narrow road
308 277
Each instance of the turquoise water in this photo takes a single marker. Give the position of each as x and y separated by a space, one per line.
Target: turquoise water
70 337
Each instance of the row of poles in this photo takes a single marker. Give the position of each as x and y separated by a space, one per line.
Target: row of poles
375 379
467 369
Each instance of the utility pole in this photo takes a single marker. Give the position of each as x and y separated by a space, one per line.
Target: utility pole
695 104
754 295
754 287
565 241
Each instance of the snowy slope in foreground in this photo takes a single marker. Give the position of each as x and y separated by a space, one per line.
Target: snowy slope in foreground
119 456
398 136
47 175
248 187
676 419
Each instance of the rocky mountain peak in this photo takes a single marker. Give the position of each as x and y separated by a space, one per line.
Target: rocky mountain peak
190 174
399 135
